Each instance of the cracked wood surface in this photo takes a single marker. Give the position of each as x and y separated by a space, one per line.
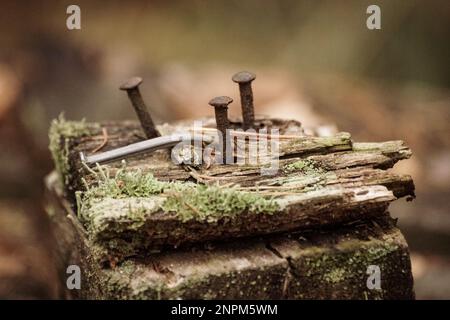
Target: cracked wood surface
319 264
349 182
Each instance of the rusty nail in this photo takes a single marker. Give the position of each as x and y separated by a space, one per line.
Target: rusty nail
244 79
131 86
220 105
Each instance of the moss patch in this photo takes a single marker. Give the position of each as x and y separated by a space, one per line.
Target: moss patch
209 203
187 200
117 211
60 134
305 166
344 268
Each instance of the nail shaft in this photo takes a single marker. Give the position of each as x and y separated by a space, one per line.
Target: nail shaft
220 105
132 89
244 79
140 147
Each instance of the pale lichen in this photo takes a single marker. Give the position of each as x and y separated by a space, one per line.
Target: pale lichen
348 260
305 166
119 214
335 276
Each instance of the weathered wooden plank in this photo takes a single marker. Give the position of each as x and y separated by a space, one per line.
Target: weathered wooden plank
334 267
307 265
343 196
322 150
114 228
250 179
322 181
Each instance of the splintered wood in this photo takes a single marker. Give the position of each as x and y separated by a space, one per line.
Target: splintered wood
142 221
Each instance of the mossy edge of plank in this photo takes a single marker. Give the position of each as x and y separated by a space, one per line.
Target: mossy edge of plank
335 181
330 264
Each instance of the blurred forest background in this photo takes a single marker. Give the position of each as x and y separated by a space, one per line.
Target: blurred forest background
315 61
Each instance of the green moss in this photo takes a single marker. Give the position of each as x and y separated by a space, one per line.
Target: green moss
50 210
210 203
187 200
124 184
334 276
60 133
335 266
305 166
345 268
213 284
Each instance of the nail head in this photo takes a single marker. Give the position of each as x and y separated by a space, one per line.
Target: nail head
222 101
243 77
131 83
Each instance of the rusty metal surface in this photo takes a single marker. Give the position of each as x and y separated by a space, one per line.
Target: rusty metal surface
131 86
244 79
220 105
